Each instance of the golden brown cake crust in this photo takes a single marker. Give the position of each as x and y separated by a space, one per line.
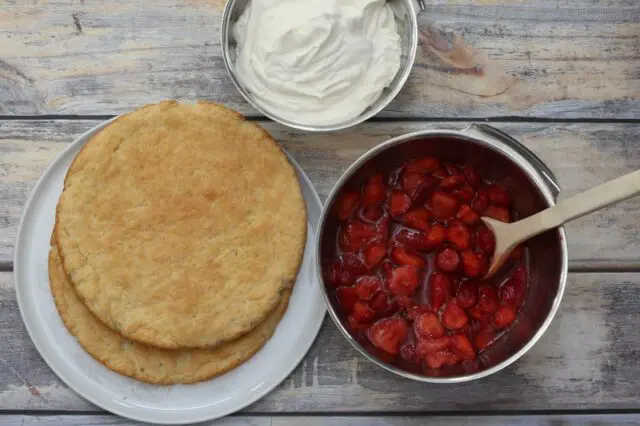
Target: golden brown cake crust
147 363
181 225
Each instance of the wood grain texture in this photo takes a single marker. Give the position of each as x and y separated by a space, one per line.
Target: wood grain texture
559 58
275 420
587 358
581 155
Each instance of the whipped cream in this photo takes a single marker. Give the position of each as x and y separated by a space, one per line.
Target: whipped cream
316 62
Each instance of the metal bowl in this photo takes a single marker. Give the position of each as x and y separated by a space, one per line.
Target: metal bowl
405 12
534 188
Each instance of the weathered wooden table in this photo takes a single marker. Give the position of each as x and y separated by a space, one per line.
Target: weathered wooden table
562 76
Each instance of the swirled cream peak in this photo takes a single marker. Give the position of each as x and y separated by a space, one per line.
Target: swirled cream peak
316 62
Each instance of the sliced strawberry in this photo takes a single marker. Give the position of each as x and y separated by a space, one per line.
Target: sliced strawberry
374 255
486 241
404 280
425 347
452 181
347 204
436 236
488 299
405 302
388 333
476 313
481 201
471 176
454 317
439 290
484 338
427 326
347 298
356 235
362 312
463 347
354 325
437 359
383 304
448 260
399 203
519 274
473 264
402 257
412 183
372 214
374 190
412 240
423 165
458 235
467 294
413 312
417 218
367 286
504 316
353 264
508 293
465 193
443 205
467 215
408 352
498 213
498 195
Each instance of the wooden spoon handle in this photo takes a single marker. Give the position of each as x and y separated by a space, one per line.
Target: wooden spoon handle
579 205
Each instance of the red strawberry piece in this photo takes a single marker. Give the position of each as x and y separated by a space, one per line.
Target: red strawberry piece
467 294
332 273
413 312
437 359
481 201
362 312
383 304
486 241
448 260
519 274
504 316
498 195
476 313
425 347
399 203
465 193
452 169
372 214
346 297
508 293
473 264
356 235
452 181
443 205
440 173
498 213
488 299
412 240
439 289
402 257
427 326
458 235
367 286
354 325
374 255
405 302
471 176
347 204
484 338
408 352
454 317
467 215
388 333
353 264
436 236
374 190
412 183
404 280
417 218
463 347
423 165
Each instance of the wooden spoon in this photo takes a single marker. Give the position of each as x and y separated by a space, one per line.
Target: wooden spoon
509 235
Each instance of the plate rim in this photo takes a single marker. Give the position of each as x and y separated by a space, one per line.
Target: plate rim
116 408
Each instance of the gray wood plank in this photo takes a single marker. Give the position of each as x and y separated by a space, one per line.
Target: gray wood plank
588 358
560 58
581 155
514 420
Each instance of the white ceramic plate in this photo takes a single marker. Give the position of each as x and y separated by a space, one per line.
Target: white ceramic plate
127 397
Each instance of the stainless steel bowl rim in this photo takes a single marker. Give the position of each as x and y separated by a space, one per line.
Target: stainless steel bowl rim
488 137
225 28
